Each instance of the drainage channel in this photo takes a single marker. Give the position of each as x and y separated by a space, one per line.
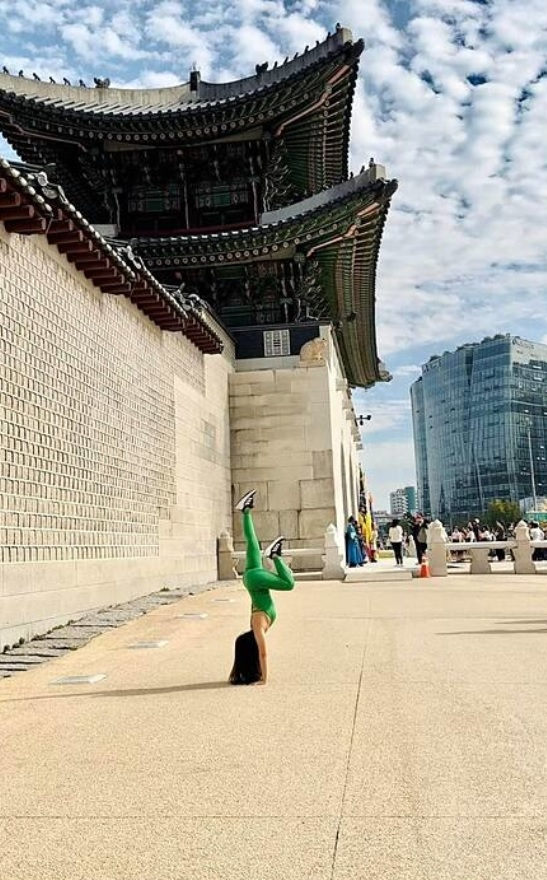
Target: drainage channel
74 635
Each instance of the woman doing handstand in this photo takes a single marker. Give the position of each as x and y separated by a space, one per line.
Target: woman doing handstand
251 658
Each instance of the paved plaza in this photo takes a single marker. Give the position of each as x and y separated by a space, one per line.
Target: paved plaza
402 736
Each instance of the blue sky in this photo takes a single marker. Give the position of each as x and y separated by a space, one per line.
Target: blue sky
452 98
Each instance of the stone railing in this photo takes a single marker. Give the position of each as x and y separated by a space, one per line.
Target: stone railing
521 548
332 554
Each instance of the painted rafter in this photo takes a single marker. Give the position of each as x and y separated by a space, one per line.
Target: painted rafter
26 209
343 233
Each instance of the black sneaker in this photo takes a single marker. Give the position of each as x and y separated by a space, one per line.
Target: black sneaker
275 548
247 501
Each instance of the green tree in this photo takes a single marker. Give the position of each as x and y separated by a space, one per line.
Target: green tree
407 521
502 511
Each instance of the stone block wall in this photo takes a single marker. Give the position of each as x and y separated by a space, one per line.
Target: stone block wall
292 440
114 447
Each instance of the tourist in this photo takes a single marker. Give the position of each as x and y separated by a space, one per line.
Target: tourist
373 545
500 535
476 528
364 528
396 540
456 538
361 538
419 533
354 556
536 534
251 657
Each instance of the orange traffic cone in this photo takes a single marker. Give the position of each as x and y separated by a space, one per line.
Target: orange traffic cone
424 568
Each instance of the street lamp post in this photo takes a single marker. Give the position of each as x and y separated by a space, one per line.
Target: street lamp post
532 472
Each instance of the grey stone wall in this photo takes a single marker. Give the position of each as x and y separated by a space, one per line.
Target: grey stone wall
109 431
295 440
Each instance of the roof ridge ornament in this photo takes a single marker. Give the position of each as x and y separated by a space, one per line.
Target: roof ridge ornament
101 83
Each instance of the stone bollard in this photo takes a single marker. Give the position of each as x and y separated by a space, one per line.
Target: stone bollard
227 562
334 568
436 549
411 548
522 550
480 561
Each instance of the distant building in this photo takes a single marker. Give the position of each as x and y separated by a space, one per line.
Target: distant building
382 518
480 431
531 507
403 501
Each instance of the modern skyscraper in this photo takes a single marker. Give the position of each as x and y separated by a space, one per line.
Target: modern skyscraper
480 426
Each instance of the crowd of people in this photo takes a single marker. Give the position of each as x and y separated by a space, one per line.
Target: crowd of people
361 539
477 531
413 541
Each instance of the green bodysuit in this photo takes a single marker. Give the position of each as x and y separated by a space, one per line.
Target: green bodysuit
258 580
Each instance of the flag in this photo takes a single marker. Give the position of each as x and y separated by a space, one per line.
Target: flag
367 528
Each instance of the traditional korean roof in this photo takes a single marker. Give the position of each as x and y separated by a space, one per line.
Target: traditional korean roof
340 229
30 205
305 101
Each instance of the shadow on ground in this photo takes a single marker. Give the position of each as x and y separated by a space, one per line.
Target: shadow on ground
131 692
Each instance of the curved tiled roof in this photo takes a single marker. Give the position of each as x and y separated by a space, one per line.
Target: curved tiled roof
119 102
306 103
29 205
340 228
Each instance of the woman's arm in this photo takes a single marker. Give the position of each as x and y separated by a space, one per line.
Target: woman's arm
259 630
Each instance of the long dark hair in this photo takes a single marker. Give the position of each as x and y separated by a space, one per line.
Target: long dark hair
246 668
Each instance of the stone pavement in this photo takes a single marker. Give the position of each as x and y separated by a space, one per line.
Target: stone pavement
402 736
77 633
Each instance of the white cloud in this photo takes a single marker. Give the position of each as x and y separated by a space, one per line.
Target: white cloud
32 15
386 416
167 24
408 371
80 38
388 466
295 31
252 46
153 79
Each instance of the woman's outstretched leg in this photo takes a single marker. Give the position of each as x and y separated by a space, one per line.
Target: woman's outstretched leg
262 579
285 575
253 555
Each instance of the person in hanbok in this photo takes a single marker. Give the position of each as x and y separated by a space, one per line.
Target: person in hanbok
354 556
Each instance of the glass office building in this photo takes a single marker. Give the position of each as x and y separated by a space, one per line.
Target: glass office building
480 427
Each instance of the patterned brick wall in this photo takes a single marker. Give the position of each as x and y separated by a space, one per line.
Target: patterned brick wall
87 414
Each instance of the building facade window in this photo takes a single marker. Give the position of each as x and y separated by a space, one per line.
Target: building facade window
277 343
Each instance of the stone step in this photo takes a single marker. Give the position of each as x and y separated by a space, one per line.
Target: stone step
307 575
371 574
